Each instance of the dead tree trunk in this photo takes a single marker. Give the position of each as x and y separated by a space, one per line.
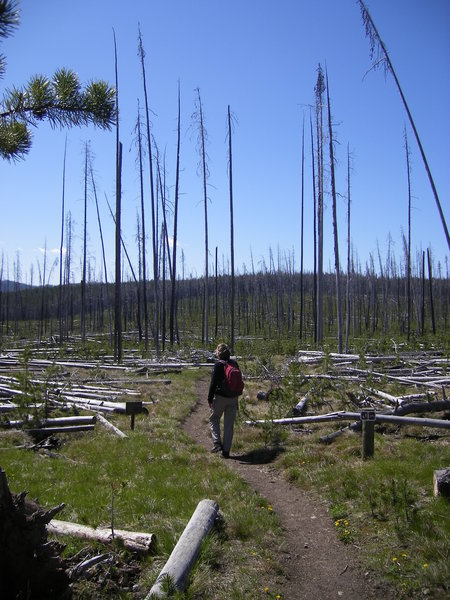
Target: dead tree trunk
319 89
233 284
335 227
173 297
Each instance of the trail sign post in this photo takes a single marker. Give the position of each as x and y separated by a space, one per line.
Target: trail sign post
368 433
133 408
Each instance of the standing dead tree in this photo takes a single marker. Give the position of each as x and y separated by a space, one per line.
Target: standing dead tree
319 91
173 297
376 43
335 227
117 286
141 53
198 118
144 263
347 319
301 229
233 283
61 248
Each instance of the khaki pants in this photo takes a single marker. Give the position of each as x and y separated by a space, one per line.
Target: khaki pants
228 408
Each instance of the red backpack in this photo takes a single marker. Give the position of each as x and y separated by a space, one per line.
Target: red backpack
233 379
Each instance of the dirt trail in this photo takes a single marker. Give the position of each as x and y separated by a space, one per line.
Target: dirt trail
316 563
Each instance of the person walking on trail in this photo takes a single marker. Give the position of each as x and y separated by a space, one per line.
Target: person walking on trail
223 399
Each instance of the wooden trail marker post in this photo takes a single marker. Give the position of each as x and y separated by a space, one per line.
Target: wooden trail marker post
133 408
368 433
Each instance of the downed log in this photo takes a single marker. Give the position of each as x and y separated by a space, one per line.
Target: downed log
185 553
327 439
350 416
421 407
300 406
54 422
110 426
136 542
441 482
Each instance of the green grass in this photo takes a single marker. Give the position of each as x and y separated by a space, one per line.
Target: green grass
385 505
157 477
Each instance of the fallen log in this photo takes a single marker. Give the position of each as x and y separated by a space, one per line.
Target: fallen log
422 407
136 542
350 416
327 439
55 422
68 429
110 426
185 553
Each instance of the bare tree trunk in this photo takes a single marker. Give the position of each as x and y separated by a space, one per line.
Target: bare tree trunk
173 297
60 297
83 276
430 281
347 317
144 252
152 196
314 300
408 255
335 228
204 170
375 40
423 295
216 295
138 287
319 89
118 287
105 271
233 283
301 231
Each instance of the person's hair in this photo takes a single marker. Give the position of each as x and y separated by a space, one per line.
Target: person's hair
223 352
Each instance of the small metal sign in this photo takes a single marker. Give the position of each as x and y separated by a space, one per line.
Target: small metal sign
367 415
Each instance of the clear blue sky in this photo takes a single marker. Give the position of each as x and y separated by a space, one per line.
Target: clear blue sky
260 57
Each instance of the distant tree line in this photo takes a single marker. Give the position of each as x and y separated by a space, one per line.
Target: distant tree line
266 305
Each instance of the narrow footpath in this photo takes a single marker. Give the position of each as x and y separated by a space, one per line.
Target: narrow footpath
316 563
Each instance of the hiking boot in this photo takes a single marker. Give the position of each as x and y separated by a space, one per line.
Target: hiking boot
217 448
225 454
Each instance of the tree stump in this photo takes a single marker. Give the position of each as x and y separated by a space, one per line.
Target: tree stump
30 565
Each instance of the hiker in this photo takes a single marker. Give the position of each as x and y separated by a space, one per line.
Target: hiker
226 386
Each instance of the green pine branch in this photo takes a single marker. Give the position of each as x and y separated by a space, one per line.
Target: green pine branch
61 101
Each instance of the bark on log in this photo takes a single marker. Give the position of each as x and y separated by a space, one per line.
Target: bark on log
441 482
185 553
136 542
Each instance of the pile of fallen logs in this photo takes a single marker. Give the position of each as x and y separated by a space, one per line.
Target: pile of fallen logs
409 368
426 372
103 397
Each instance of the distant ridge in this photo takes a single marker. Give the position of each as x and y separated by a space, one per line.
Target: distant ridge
10 286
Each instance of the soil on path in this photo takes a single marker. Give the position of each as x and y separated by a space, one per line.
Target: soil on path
316 563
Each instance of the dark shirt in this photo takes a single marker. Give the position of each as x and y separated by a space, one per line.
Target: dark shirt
217 379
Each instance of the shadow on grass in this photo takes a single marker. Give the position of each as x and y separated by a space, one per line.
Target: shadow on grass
259 456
